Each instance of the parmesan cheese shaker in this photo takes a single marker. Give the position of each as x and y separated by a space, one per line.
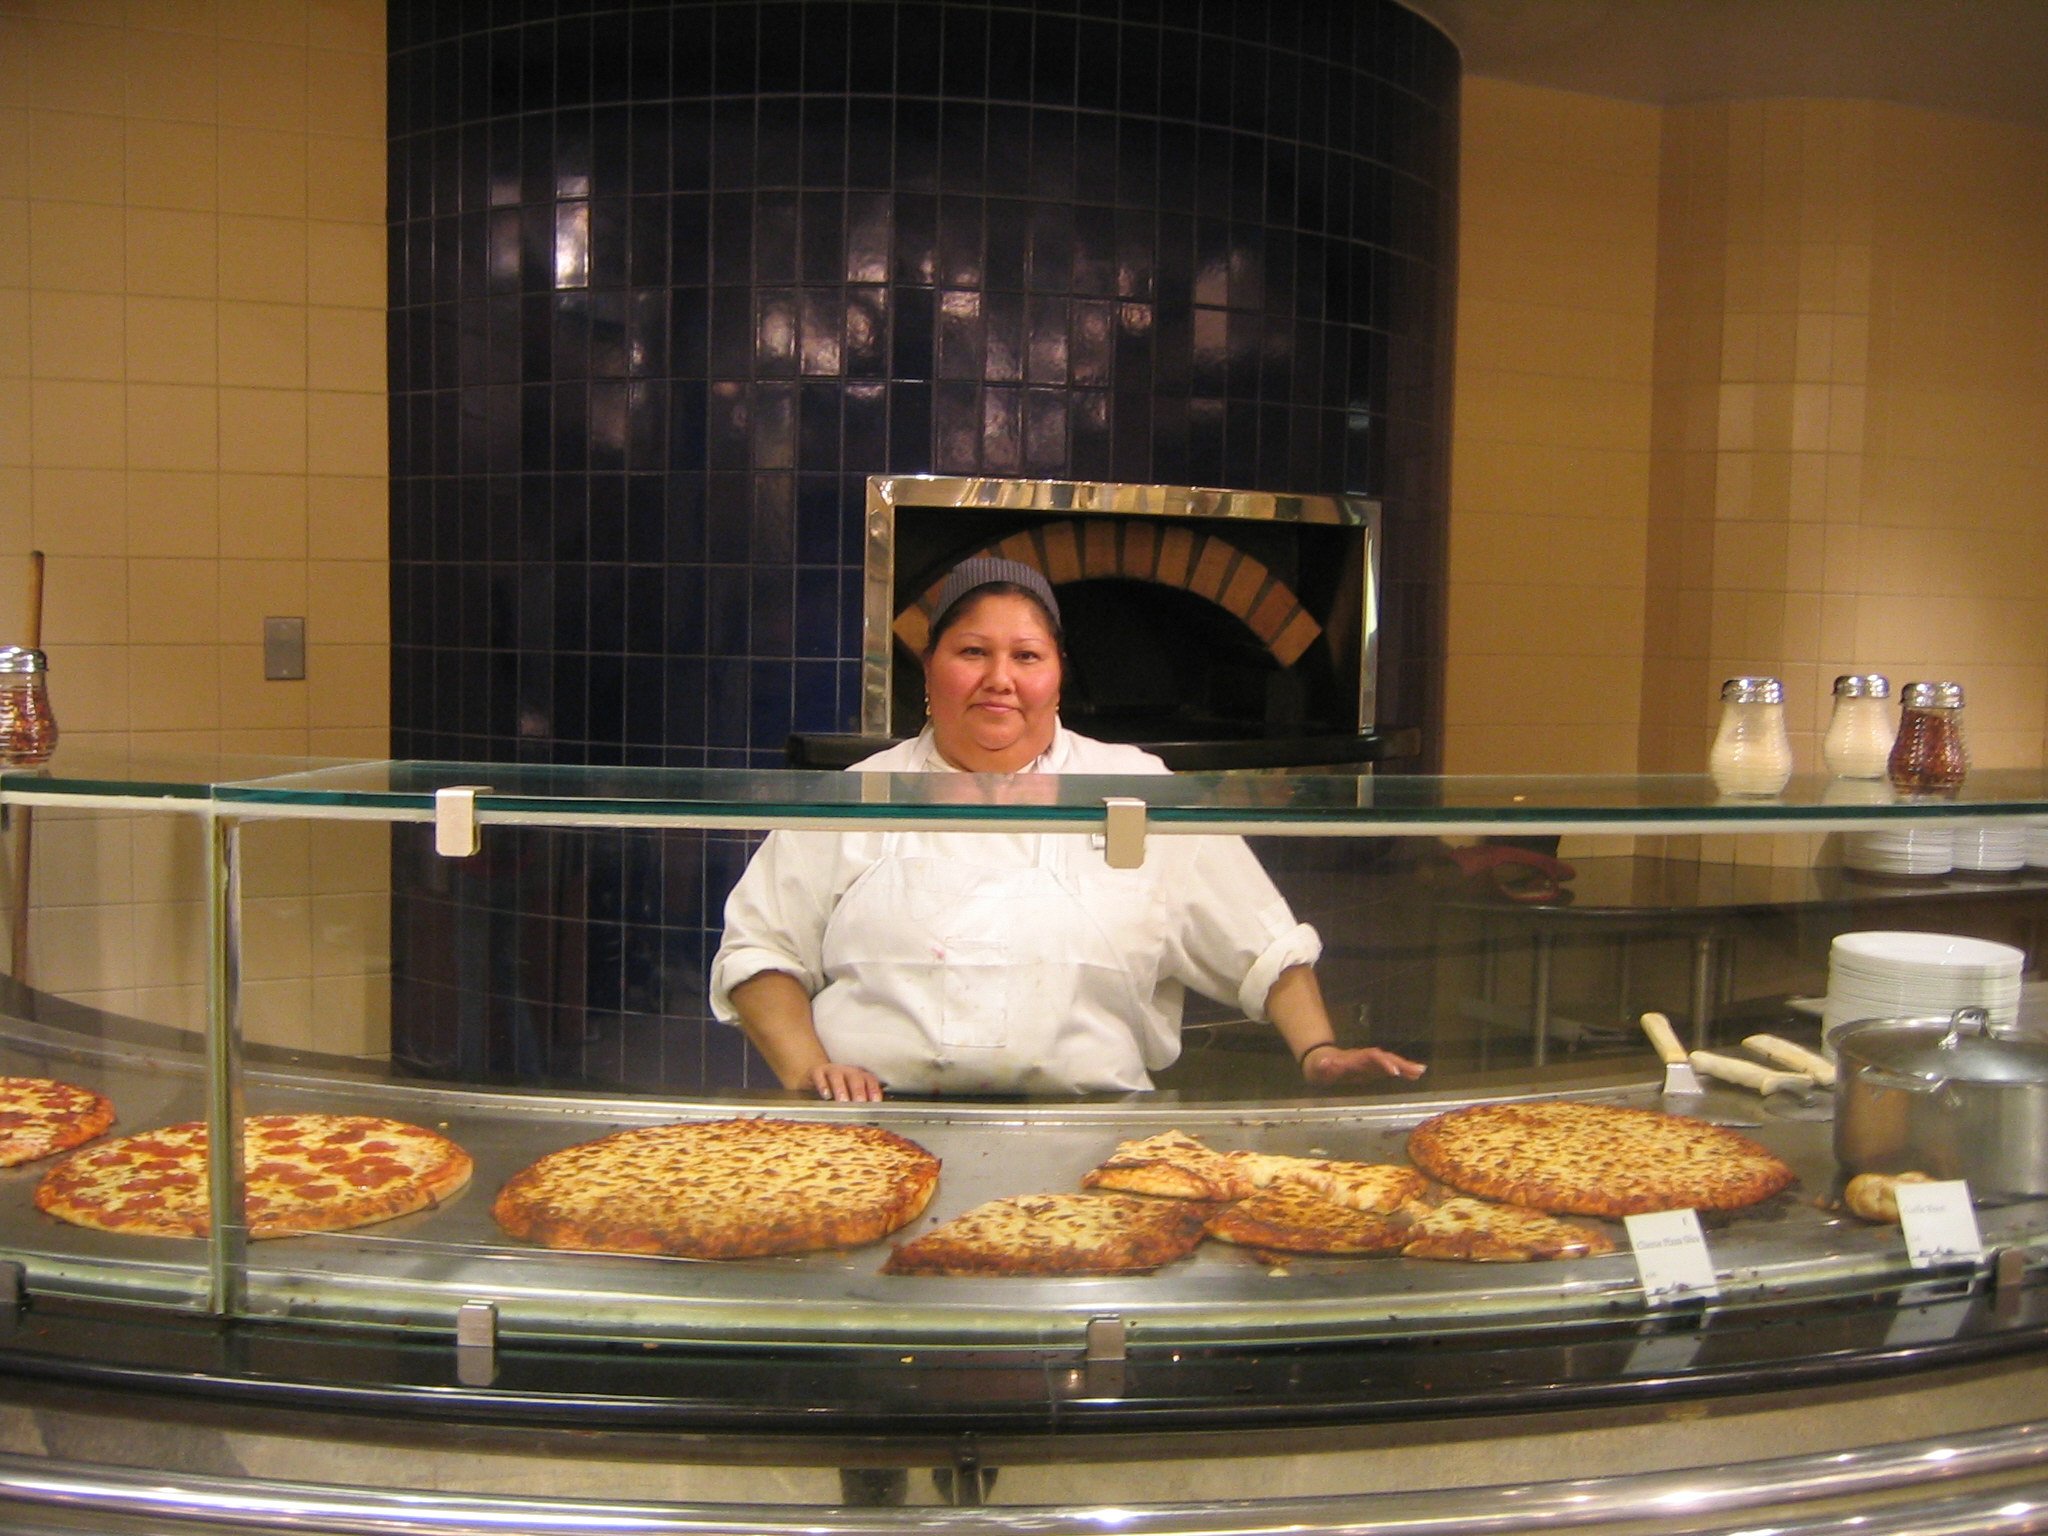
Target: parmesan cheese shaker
1858 742
1752 754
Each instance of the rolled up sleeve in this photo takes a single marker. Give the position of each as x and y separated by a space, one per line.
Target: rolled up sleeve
1237 933
775 917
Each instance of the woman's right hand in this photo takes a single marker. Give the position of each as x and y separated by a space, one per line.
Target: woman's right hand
846 1085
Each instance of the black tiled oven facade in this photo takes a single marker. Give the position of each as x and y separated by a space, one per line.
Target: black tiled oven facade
668 281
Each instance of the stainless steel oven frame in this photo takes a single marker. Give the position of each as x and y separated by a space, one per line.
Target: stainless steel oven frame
888 493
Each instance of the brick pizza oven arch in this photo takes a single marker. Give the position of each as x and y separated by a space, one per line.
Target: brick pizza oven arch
1202 564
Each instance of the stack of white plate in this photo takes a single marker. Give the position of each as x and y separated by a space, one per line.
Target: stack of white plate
1907 850
1997 845
2037 844
1894 975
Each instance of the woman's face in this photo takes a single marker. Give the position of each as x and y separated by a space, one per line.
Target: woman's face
994 684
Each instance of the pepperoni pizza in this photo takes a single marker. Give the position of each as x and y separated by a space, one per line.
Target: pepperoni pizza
303 1173
39 1116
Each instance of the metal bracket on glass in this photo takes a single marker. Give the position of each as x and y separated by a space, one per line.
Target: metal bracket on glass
1123 832
1104 1359
2008 1274
13 1283
456 835
476 1343
1105 1339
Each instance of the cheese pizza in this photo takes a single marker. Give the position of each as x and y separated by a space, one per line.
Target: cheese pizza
1581 1159
40 1116
303 1173
722 1189
1061 1234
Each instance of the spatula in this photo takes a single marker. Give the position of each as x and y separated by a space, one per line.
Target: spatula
1679 1078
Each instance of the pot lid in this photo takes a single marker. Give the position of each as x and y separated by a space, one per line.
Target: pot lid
1964 1048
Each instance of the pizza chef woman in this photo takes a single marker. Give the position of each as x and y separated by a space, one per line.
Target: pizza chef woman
1007 963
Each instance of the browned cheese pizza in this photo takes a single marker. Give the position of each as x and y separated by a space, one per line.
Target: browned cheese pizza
1486 1232
1292 1218
722 1189
40 1116
1061 1234
303 1173
1571 1158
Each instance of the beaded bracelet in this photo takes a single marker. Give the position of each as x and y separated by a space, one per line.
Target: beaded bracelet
1308 1051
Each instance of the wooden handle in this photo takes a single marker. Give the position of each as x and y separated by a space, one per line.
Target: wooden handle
1664 1038
35 600
1794 1058
1749 1074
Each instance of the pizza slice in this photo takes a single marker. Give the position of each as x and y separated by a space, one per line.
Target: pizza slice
1379 1187
1290 1217
1061 1234
1481 1231
1174 1165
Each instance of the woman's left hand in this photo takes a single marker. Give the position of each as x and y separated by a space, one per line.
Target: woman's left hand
1336 1064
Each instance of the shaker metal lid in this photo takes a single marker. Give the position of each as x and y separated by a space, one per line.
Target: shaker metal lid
1753 690
19 659
1965 1047
1932 696
1863 685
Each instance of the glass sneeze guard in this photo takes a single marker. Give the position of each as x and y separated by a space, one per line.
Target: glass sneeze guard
417 1273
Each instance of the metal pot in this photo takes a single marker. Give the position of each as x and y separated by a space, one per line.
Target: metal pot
1956 1098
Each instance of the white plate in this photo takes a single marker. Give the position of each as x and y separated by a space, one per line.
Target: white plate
1895 952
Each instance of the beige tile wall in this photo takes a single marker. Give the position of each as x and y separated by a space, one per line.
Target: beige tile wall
192 409
1551 453
1759 386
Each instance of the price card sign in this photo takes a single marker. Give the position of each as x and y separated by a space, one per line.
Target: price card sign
1940 1226
1671 1256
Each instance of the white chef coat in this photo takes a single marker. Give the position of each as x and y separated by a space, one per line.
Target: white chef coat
987 962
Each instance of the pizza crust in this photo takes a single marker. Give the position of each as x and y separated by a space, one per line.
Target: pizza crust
722 1189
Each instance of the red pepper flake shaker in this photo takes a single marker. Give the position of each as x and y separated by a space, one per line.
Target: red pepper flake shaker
28 729
1929 758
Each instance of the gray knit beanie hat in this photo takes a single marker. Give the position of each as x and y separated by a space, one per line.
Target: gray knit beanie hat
989 570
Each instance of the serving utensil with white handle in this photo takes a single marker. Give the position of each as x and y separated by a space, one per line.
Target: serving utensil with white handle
1792 1057
1751 1074
1679 1078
